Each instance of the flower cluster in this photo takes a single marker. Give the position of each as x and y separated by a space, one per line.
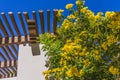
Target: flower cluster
114 70
69 6
85 47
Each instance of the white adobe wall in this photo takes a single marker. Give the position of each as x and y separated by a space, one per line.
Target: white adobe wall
9 78
30 67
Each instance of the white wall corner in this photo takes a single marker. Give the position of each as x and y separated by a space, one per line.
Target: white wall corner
30 67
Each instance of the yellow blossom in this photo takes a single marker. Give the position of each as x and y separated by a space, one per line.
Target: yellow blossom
60 12
64 67
111 39
84 10
87 62
78 47
69 41
104 79
96 52
84 33
56 70
77 41
69 73
69 6
104 46
97 57
72 72
71 16
97 35
81 72
114 70
63 54
110 14
47 72
98 16
70 46
66 24
119 46
78 3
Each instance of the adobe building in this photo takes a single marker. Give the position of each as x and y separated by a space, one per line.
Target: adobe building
20 55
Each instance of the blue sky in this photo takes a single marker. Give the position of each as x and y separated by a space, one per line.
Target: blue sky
30 5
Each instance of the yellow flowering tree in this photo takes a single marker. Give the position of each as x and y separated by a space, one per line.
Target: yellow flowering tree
86 46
